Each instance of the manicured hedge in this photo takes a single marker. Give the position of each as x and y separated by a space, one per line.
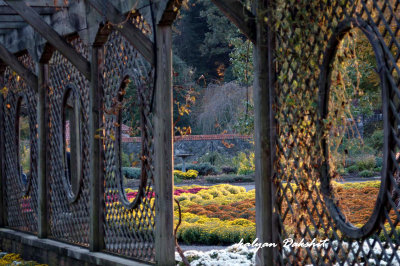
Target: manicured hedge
131 172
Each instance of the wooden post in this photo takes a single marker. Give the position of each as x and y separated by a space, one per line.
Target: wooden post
95 115
3 210
264 135
163 150
42 143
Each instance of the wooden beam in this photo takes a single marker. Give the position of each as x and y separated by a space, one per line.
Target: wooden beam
3 31
169 12
136 37
11 25
240 16
11 18
42 144
6 10
163 151
12 61
44 3
47 32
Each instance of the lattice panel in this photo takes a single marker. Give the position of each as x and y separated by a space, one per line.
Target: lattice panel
21 203
301 41
69 221
127 231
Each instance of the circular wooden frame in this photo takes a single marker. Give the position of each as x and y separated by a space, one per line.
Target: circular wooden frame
118 150
72 194
324 88
27 186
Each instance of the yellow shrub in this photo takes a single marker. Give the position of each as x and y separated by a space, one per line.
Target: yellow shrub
190 174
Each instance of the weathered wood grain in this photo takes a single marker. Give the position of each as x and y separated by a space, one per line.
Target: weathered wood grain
139 40
11 60
264 133
163 150
47 32
96 168
42 110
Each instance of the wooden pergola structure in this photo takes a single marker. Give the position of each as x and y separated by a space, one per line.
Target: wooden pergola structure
85 51
49 48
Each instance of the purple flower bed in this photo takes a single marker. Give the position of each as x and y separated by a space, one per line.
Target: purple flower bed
179 191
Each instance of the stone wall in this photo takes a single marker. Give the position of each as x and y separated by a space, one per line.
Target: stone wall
228 145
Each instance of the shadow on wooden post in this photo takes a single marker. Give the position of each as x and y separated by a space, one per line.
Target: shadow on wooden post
43 76
163 150
265 133
96 239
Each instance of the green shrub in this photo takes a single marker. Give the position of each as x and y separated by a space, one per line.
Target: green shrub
342 171
366 163
177 180
126 162
378 161
131 172
244 163
378 169
367 173
375 141
229 178
349 162
216 235
355 147
214 158
202 168
353 169
229 169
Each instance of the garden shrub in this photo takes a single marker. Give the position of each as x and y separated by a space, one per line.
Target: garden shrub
205 195
367 173
212 231
131 172
375 141
353 169
236 190
350 161
245 163
342 171
190 174
181 198
229 178
202 168
177 180
214 158
358 185
378 169
229 169
215 193
366 163
126 161
378 161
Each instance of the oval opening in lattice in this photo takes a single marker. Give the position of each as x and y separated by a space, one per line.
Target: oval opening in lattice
131 182
24 142
72 143
352 88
